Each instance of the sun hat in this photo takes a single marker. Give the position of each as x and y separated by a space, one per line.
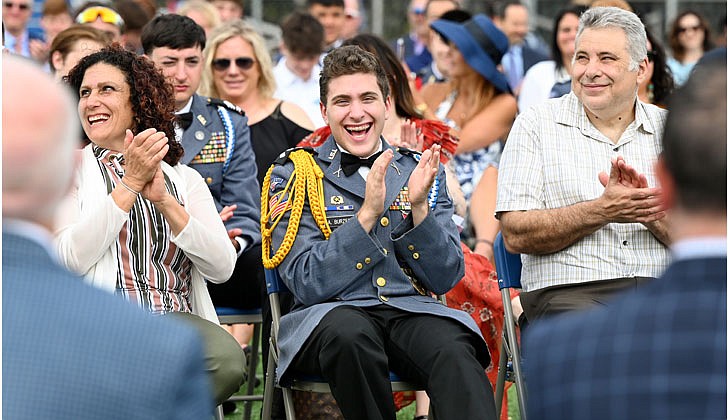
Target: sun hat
481 44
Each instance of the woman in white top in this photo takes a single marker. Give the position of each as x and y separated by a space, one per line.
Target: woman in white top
552 78
138 223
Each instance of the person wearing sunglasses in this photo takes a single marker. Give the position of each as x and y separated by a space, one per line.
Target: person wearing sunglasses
101 17
16 15
689 39
216 140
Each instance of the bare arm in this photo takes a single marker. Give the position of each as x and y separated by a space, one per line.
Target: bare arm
482 210
489 125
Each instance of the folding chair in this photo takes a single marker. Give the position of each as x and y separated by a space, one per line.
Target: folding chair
243 316
508 267
312 384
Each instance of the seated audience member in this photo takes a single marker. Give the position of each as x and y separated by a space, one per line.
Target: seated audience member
71 351
138 223
353 21
584 235
56 17
175 44
362 306
135 17
689 39
658 83
660 352
332 16
203 13
437 70
102 17
297 72
552 78
476 102
72 44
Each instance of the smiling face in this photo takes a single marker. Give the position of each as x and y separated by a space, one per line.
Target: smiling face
332 18
566 35
356 111
601 77
104 106
234 83
182 68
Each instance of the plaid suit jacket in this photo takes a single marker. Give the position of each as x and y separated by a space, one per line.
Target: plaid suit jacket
71 351
657 353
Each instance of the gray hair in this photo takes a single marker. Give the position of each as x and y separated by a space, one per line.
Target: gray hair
614 17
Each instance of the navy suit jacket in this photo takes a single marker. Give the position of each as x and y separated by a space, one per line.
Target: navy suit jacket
205 147
74 352
656 353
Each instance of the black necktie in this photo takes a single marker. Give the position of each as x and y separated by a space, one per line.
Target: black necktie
184 120
351 163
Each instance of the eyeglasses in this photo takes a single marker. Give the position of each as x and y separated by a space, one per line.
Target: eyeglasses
20 6
222 64
651 55
689 28
107 15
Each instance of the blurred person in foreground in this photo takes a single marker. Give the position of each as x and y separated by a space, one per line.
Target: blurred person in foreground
138 223
71 351
583 235
659 353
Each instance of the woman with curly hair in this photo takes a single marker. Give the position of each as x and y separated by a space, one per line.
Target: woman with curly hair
137 223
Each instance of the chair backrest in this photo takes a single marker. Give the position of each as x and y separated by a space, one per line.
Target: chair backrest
273 282
508 265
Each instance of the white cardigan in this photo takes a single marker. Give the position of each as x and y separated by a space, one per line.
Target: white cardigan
89 222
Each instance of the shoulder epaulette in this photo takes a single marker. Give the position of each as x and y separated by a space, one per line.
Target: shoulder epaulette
284 157
227 104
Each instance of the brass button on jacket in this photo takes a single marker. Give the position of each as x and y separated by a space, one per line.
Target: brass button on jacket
381 282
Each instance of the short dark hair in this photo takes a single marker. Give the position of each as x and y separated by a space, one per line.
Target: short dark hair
302 34
134 15
151 97
172 31
326 3
500 7
348 60
694 143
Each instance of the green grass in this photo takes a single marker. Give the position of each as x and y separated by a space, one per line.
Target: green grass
407 413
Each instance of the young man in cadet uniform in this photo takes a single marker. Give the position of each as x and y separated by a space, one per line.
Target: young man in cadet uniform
216 139
362 295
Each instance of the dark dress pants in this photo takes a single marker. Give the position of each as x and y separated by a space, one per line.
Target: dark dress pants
354 349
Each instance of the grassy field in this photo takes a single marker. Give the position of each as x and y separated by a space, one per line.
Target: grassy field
407 413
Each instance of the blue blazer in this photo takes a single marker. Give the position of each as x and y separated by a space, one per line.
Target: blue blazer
657 353
73 352
206 151
360 269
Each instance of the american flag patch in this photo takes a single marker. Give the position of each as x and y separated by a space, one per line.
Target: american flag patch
277 205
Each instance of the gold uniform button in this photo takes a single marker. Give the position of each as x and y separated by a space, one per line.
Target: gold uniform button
384 222
416 255
383 298
411 247
208 180
359 266
367 260
385 251
381 282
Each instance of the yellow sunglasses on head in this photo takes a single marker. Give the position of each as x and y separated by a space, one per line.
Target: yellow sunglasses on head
107 15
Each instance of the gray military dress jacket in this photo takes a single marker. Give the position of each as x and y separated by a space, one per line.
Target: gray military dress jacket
357 268
227 167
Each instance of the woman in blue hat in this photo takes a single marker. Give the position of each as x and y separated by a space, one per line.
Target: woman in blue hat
476 102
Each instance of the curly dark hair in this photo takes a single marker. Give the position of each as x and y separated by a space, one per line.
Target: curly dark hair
662 82
151 97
